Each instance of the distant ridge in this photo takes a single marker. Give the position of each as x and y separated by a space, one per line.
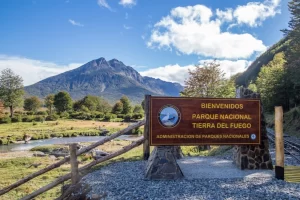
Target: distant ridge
109 79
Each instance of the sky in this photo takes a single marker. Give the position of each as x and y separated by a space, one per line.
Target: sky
160 39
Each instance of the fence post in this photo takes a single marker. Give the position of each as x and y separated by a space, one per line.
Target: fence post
74 163
279 145
146 147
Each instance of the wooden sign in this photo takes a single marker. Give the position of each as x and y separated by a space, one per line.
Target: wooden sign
197 121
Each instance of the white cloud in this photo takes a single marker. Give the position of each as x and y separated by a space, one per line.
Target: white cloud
190 30
127 27
103 3
75 23
31 70
254 13
176 73
172 73
126 16
127 3
230 67
225 15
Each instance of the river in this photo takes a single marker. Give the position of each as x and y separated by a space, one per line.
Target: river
66 140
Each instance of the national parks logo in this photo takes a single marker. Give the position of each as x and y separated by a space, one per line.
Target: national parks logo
169 116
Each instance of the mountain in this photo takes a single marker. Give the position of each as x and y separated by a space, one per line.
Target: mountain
252 71
109 79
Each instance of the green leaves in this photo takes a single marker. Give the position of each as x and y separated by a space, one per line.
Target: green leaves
11 89
208 81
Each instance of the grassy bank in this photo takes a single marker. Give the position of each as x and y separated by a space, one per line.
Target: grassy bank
291 121
13 169
61 128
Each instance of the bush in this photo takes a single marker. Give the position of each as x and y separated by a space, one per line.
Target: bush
109 116
39 119
64 115
30 113
52 117
27 119
18 112
5 120
99 114
137 116
34 123
16 118
121 116
41 113
127 118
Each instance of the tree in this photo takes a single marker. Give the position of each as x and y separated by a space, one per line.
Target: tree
293 33
137 109
126 105
32 104
143 104
117 108
92 103
49 102
270 83
207 81
11 90
252 86
63 101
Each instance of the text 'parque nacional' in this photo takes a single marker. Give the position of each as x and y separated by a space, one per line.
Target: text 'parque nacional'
196 121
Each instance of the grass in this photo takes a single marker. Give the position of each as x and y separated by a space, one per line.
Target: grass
14 169
291 121
61 128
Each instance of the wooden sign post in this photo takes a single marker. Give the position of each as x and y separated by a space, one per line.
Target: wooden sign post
279 145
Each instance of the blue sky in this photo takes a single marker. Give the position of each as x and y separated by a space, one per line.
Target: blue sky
162 39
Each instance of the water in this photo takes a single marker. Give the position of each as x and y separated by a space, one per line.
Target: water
66 140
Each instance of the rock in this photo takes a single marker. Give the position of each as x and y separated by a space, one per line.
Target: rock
39 154
162 165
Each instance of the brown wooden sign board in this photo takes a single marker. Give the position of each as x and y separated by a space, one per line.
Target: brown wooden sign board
197 121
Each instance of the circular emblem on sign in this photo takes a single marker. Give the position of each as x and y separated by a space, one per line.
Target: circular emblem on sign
169 116
253 136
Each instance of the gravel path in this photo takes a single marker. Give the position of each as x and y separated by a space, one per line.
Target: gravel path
125 180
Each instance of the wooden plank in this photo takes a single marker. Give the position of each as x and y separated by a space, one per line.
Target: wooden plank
74 163
88 166
279 145
146 145
59 163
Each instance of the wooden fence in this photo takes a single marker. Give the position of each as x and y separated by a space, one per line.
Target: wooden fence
74 175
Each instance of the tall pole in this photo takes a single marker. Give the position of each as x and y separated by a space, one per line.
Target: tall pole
279 145
146 145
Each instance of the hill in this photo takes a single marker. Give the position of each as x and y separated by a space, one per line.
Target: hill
252 71
109 79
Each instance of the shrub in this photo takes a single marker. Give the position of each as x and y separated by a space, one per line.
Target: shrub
121 116
52 117
18 112
30 113
127 118
34 123
109 116
137 116
16 118
27 119
41 113
39 119
99 114
64 115
5 120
